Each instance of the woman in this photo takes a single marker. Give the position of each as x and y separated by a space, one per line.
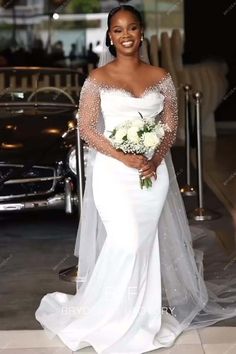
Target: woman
142 282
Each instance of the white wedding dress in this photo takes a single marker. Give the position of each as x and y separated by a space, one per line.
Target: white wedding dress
120 308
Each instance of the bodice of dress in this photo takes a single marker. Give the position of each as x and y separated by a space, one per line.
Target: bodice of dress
105 104
118 106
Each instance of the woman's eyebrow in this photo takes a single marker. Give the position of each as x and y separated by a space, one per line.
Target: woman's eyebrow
130 24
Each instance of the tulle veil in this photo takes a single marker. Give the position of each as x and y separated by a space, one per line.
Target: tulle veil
193 302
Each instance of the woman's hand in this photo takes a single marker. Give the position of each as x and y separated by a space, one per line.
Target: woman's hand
135 161
148 170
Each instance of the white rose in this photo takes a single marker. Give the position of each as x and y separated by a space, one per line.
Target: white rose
151 120
132 134
120 135
151 140
160 132
139 123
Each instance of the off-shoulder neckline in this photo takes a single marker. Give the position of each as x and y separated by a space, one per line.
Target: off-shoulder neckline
149 88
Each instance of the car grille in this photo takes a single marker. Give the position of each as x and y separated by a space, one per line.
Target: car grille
16 181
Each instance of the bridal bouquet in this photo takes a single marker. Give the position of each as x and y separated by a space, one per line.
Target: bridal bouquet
139 136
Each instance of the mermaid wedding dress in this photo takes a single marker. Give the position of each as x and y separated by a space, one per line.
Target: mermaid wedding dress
144 261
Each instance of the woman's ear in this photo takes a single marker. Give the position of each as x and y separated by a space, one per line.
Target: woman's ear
108 39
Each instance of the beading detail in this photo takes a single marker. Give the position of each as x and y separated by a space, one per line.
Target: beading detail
90 113
89 116
169 115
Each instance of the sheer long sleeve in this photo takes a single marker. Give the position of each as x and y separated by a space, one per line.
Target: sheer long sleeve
168 116
89 118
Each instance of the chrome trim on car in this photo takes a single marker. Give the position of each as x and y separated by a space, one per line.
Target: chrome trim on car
38 104
57 201
21 165
68 196
30 180
52 189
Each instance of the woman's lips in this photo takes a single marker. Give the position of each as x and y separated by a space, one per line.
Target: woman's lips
127 44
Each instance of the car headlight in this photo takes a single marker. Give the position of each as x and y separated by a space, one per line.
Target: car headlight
72 160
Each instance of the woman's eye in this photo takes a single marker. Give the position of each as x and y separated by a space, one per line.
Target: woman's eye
134 28
117 31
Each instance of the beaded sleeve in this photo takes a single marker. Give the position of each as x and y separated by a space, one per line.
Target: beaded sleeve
168 116
89 115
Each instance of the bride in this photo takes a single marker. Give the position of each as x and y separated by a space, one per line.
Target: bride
141 283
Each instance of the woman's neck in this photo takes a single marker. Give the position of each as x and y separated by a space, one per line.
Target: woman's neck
128 63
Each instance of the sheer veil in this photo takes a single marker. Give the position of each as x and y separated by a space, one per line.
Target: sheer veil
194 302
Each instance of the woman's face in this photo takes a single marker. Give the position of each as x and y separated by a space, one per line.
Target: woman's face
125 32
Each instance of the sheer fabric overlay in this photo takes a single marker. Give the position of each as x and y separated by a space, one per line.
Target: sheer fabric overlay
193 302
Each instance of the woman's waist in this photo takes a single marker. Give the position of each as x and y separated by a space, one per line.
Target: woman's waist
106 161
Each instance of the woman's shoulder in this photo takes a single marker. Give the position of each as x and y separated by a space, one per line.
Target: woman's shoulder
98 75
156 73
102 76
93 81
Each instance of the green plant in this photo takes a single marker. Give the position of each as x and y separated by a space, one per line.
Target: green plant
84 6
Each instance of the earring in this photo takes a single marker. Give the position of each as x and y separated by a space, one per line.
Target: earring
111 41
142 38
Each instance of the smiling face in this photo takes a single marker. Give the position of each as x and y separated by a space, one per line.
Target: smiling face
125 32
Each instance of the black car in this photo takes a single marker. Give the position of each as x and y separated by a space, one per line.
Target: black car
38 140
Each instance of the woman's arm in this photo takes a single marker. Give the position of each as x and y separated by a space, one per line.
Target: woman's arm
168 116
89 115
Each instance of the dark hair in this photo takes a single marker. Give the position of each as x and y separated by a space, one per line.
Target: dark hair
129 8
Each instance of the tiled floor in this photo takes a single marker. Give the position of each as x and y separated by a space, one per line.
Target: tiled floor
210 340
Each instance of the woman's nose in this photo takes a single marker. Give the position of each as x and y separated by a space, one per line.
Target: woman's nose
126 31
